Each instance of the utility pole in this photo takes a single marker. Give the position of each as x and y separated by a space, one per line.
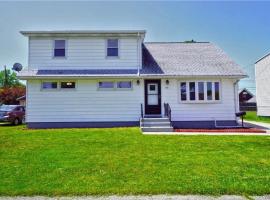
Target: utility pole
5 76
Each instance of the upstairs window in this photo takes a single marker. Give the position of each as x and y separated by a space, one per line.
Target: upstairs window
59 48
112 47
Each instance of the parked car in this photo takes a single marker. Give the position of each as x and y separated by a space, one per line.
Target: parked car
14 114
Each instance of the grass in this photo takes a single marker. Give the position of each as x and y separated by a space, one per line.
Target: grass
121 161
252 116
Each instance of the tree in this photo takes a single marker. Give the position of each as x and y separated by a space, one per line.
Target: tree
10 95
11 79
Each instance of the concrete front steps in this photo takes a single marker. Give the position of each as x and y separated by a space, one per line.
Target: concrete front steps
161 124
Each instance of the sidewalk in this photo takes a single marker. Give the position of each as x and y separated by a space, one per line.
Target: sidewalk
257 124
154 197
206 133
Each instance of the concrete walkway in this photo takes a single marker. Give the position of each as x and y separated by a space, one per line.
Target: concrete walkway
206 133
258 124
155 197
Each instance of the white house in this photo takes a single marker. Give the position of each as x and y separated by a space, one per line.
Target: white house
262 74
114 78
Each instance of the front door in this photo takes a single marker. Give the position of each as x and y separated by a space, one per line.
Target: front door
152 97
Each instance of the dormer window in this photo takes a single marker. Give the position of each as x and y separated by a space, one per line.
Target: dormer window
112 48
59 48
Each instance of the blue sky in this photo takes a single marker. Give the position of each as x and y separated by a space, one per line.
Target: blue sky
241 29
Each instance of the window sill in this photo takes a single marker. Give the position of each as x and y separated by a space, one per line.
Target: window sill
59 57
112 57
201 102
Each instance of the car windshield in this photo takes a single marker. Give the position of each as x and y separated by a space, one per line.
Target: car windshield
7 108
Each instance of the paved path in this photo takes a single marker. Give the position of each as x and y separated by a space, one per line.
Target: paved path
206 133
258 124
155 197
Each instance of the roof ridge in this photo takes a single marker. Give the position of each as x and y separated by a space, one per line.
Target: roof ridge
177 42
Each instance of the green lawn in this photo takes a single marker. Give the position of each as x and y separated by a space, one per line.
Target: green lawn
123 161
252 116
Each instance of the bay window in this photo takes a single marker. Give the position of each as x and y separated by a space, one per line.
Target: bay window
200 91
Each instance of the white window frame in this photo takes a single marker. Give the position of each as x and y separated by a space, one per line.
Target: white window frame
106 89
197 91
53 48
58 85
118 47
49 89
67 88
115 85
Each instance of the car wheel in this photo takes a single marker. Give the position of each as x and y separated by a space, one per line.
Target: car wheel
23 120
16 122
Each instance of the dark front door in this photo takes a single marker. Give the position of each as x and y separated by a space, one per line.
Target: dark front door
152 97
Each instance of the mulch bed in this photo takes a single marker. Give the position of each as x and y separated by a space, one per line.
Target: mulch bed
227 130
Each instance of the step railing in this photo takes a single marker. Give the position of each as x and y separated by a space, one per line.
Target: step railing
168 111
142 110
141 119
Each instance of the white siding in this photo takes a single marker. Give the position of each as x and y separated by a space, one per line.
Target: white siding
84 104
84 53
223 110
87 104
262 74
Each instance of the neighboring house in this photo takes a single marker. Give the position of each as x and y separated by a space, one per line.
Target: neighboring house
114 78
245 95
262 74
247 100
21 100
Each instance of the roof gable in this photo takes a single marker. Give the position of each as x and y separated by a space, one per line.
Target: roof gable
188 59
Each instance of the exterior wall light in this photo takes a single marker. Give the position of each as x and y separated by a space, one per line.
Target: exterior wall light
167 82
138 82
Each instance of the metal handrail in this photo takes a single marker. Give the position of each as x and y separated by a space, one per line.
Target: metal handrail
141 110
168 111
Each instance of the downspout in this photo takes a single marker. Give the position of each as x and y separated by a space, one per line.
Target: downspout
138 54
235 98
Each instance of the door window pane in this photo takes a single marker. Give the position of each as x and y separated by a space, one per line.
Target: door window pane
201 90
152 88
217 95
209 90
183 91
152 99
192 91
49 85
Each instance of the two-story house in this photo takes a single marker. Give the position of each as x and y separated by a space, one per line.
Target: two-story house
114 78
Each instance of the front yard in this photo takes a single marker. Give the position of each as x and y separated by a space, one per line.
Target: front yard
123 161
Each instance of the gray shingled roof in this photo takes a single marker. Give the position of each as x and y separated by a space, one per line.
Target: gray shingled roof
80 72
188 59
164 59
